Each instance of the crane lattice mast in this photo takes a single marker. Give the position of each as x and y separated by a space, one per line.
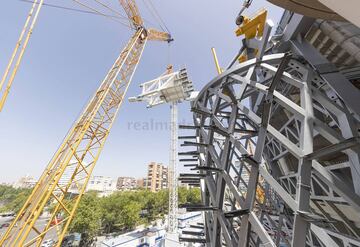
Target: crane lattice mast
173 184
172 88
81 148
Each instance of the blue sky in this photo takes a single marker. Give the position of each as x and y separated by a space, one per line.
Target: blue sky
67 58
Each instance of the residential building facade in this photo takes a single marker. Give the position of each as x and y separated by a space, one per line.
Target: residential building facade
103 185
26 182
126 183
157 178
141 183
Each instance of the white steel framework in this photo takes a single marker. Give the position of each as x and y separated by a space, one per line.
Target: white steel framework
173 184
302 116
169 88
297 130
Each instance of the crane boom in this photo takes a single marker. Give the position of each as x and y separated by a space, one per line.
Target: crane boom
154 34
76 156
132 13
17 55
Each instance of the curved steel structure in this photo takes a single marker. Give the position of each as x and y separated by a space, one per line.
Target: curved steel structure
281 151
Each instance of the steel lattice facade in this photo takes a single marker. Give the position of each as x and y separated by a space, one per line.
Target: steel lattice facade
278 148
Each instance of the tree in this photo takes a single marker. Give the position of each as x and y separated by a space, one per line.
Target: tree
110 213
131 214
182 191
87 220
12 199
117 212
120 211
189 196
193 196
162 202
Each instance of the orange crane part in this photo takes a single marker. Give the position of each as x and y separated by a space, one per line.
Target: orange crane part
254 27
251 28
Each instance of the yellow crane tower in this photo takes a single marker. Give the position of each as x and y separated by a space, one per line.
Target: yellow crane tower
80 149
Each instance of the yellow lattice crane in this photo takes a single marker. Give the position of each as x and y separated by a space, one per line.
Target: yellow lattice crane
80 149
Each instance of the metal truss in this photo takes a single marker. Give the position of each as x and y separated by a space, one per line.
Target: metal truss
172 88
169 87
173 186
275 126
76 157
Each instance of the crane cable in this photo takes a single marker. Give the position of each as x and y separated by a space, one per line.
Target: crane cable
102 14
21 45
61 7
159 17
118 15
111 9
153 15
169 53
151 8
92 11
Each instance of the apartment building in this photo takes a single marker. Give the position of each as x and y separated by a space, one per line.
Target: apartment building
126 183
103 185
157 178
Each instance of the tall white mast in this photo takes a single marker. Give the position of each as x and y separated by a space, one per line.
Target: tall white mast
171 87
173 192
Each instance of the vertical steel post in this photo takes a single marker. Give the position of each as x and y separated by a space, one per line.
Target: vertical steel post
173 192
303 190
